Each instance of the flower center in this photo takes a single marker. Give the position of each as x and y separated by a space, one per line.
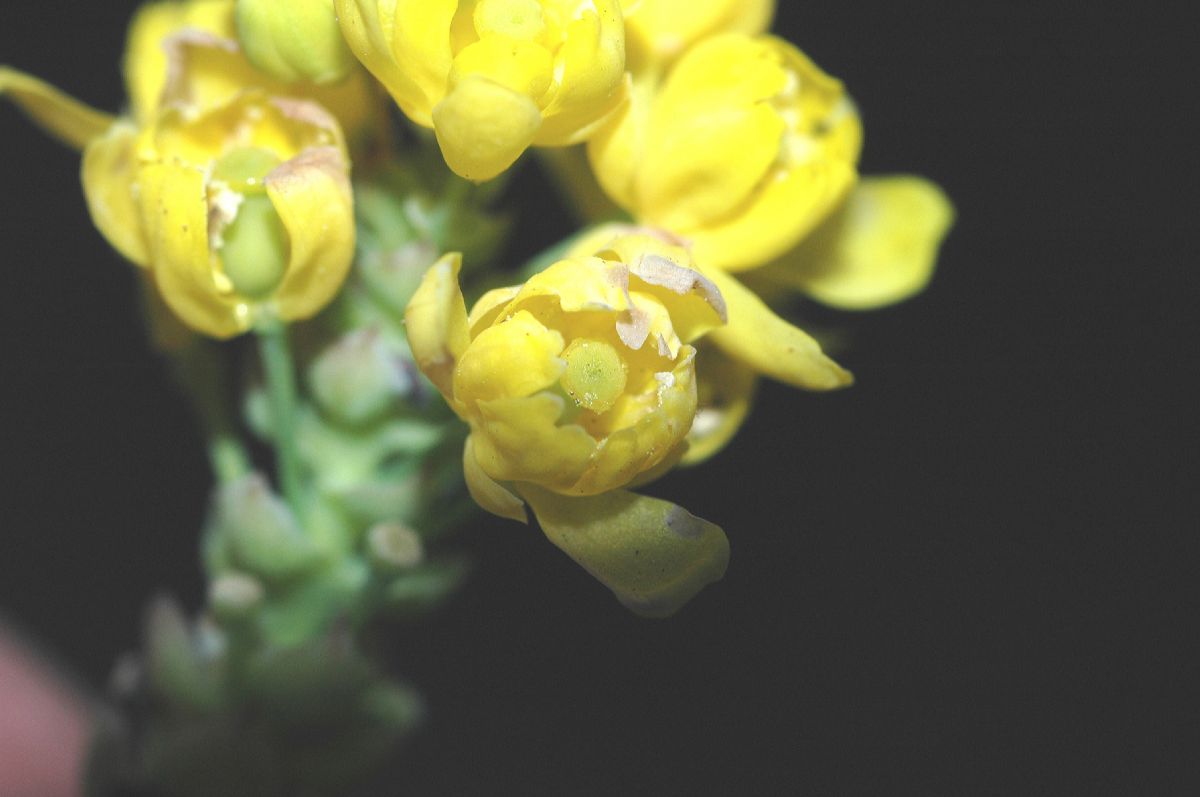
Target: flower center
595 376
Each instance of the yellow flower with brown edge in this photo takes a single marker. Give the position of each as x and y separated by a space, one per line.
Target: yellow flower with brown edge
493 77
577 386
743 149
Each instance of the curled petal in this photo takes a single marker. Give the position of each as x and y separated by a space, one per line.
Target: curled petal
63 117
489 493
652 554
311 194
768 344
108 173
879 248
436 321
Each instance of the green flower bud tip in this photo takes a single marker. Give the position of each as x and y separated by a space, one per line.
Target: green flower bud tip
393 547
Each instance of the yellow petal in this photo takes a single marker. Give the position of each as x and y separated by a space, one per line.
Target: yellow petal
483 127
311 194
652 554
368 26
109 175
436 323
661 29
489 493
488 308
879 248
701 168
521 439
726 389
778 217
63 117
146 59
590 70
175 220
420 42
513 359
768 344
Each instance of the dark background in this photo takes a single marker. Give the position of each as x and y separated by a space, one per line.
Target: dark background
969 574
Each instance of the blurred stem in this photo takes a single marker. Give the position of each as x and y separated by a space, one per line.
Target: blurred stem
280 374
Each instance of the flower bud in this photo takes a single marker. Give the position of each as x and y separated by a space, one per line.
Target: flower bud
657 31
294 40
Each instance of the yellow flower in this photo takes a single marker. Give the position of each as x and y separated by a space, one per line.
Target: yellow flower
743 149
294 40
576 385
657 31
493 77
237 203
242 212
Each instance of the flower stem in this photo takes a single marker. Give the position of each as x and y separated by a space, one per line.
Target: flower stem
281 393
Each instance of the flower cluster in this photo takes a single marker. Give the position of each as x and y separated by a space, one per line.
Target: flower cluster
719 164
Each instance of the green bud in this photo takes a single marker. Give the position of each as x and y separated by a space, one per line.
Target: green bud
262 534
294 40
394 547
358 378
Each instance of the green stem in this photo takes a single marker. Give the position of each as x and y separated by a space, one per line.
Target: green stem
281 393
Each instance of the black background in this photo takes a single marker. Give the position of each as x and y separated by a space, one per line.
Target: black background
968 574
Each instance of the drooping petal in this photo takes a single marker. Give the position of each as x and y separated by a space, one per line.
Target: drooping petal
726 390
109 173
311 194
768 344
489 493
879 248
652 554
436 323
63 117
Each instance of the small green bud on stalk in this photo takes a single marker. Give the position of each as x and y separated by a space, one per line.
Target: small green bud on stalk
358 378
261 532
394 547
